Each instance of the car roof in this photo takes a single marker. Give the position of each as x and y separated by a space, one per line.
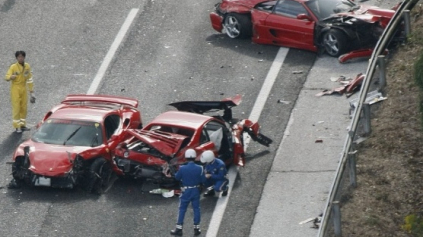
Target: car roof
181 119
86 113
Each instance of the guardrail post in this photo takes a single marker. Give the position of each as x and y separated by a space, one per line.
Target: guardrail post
336 212
406 16
353 168
382 71
366 117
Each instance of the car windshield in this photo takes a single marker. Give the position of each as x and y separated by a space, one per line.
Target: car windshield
69 132
325 8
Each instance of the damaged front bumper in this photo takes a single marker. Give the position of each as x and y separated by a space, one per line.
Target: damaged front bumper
68 180
216 18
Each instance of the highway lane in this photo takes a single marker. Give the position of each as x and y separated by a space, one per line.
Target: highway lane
166 56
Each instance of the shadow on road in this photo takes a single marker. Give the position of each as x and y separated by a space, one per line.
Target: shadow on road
243 46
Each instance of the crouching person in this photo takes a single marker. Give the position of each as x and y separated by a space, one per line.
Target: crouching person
216 174
191 177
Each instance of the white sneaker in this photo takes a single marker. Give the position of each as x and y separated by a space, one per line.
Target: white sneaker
18 130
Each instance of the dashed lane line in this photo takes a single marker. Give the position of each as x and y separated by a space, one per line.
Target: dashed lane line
111 53
255 115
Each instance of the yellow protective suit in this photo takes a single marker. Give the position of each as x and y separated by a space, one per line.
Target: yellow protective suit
18 91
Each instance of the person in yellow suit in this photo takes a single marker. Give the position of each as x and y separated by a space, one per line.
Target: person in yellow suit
20 75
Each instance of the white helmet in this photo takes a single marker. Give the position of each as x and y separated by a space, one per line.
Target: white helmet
207 157
190 154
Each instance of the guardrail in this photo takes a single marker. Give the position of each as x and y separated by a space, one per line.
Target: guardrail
362 112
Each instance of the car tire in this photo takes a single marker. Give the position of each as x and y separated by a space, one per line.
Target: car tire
335 42
237 25
100 176
20 171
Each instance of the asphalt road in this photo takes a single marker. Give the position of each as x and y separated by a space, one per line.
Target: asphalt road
170 53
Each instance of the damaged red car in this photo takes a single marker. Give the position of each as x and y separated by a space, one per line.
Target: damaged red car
74 142
333 26
156 151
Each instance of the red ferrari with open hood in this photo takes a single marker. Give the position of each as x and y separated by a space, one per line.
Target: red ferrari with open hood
156 151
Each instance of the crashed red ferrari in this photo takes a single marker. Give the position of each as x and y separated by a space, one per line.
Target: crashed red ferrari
333 26
73 143
156 151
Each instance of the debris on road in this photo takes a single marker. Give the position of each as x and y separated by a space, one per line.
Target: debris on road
371 98
319 141
297 72
159 191
284 102
349 87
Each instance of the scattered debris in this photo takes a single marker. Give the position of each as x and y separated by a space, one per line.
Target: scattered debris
191 77
315 220
221 93
319 141
169 194
284 102
360 140
260 60
297 72
337 79
159 191
371 98
348 88
122 90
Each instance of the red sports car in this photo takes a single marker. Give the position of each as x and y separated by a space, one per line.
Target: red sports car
156 151
334 26
74 142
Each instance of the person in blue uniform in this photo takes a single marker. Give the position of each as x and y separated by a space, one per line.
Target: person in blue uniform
191 177
216 174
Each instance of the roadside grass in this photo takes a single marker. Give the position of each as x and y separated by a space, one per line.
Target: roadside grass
388 200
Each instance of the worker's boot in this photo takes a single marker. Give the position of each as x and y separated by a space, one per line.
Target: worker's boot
177 231
225 193
197 230
209 193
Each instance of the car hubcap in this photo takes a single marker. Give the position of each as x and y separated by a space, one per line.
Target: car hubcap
232 27
331 44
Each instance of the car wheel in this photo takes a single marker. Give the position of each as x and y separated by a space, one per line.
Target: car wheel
335 42
100 177
237 25
20 170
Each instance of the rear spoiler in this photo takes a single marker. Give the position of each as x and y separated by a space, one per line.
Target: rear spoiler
204 106
101 99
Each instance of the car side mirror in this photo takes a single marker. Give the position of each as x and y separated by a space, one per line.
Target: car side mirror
304 17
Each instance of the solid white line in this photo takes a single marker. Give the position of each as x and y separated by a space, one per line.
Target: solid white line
113 48
222 202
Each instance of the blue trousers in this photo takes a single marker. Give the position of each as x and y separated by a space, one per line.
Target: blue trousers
191 195
218 185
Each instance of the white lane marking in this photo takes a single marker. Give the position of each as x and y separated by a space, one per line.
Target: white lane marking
113 48
255 115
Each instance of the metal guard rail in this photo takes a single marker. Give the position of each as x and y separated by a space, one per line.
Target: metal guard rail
378 50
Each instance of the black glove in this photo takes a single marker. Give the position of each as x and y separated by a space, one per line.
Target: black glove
32 99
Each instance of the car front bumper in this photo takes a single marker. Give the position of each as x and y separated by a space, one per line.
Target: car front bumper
216 18
65 181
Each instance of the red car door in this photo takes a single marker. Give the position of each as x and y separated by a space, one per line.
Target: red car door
287 29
